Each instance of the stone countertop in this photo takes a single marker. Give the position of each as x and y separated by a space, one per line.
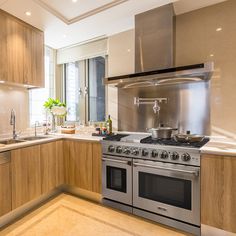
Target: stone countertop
220 146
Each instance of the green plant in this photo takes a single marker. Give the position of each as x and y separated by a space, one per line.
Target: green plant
53 102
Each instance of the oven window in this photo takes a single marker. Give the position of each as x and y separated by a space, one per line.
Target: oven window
116 179
168 190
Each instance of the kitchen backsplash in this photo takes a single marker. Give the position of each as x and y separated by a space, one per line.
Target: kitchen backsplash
17 99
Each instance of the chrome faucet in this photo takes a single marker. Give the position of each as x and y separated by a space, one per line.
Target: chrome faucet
36 124
13 123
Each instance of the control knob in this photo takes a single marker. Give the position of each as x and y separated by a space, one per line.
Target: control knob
186 157
119 149
126 151
135 152
164 155
174 156
154 153
144 152
111 148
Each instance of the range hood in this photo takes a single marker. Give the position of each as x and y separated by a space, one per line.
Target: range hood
174 75
154 54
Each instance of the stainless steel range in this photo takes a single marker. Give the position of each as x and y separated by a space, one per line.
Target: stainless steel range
155 179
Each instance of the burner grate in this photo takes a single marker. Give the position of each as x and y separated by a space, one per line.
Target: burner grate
116 137
172 142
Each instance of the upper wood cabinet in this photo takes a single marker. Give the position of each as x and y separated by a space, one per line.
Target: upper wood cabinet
218 192
26 175
22 52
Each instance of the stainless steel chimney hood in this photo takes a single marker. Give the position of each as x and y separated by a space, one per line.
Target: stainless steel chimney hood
174 75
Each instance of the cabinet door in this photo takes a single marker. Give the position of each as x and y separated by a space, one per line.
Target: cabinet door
97 168
26 175
78 164
5 189
3 47
51 158
218 192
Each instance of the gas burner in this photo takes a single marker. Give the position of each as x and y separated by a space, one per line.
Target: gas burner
172 142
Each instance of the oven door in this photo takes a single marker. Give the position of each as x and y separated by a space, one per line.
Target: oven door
117 179
167 189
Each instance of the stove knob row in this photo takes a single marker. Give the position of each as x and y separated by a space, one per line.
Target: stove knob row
111 148
144 152
174 156
186 157
119 149
135 152
164 155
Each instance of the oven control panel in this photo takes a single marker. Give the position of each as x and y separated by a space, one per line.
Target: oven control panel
164 154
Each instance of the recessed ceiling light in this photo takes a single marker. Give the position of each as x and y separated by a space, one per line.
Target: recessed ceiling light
28 13
74 0
64 35
218 29
2 82
211 55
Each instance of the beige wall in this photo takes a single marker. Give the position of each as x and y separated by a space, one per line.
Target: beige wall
17 99
120 62
198 41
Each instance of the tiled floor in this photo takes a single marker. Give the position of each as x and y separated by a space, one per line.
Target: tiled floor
70 216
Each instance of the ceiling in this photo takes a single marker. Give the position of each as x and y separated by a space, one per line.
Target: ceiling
66 22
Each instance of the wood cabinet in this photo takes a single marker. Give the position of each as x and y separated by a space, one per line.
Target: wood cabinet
22 52
51 162
97 168
26 175
218 192
5 185
78 164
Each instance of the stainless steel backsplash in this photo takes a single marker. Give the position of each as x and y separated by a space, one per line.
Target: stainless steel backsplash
188 108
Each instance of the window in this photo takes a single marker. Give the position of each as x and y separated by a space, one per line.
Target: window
37 97
84 90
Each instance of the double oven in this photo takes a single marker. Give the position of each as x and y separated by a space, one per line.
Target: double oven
161 191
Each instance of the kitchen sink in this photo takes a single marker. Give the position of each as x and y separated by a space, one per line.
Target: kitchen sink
32 138
11 141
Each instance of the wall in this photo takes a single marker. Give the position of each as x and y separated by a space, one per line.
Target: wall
17 99
198 41
120 61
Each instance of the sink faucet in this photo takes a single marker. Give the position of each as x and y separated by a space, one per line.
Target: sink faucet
13 123
36 124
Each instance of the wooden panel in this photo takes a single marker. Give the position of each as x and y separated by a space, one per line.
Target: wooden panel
5 189
26 175
78 164
60 163
3 47
97 168
218 192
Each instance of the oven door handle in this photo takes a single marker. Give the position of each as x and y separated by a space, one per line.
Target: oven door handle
196 173
117 161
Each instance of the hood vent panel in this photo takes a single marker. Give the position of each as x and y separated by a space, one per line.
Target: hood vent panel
174 75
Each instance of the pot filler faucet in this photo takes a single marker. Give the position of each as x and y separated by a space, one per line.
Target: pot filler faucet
13 123
150 101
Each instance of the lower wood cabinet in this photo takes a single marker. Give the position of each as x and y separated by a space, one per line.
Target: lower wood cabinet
218 192
82 165
51 160
5 187
26 175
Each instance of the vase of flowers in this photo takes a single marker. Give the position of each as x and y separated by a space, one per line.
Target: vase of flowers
57 109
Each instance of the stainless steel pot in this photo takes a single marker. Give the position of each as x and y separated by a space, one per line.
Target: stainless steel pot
161 132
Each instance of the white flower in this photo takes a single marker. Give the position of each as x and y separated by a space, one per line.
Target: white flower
58 111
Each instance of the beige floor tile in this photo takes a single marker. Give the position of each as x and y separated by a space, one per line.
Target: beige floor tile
71 216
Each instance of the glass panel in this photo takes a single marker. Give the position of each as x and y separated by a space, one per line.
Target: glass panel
72 86
96 89
37 97
168 190
116 179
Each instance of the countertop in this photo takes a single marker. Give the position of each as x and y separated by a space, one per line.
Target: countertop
216 145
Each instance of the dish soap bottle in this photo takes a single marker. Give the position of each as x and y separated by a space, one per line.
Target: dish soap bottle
109 125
